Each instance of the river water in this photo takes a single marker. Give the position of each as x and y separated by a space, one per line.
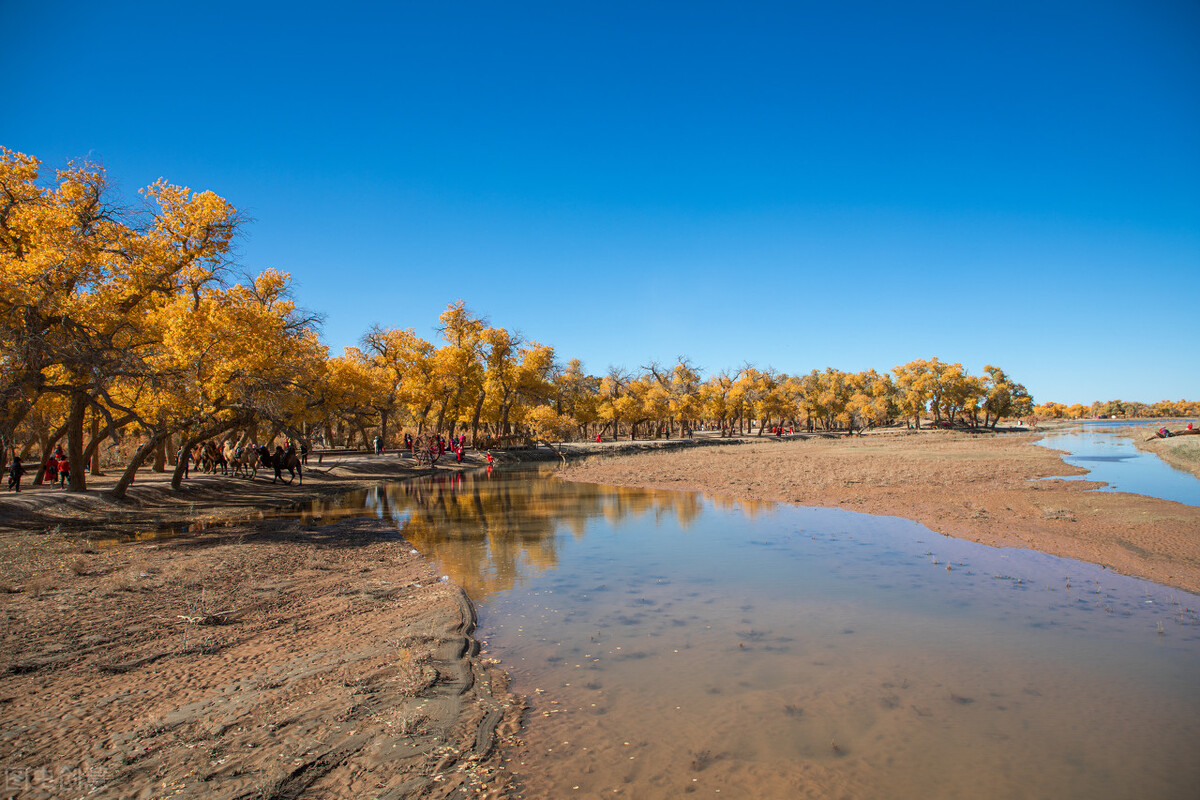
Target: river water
1119 463
674 644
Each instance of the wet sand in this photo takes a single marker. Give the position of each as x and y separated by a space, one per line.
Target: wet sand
977 487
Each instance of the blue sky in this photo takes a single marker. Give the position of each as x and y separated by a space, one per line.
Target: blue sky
796 185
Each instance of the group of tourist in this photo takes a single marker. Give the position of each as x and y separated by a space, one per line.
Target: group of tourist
1164 432
457 445
56 470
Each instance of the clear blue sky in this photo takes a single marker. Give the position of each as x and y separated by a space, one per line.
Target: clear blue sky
796 185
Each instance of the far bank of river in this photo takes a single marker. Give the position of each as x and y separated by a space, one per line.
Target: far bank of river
982 488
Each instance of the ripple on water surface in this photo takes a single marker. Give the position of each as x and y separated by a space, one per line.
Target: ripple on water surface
674 644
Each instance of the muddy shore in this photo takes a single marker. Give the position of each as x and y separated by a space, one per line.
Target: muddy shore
1181 452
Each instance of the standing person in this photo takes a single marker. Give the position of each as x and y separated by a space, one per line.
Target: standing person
458 454
15 471
277 462
304 453
50 473
64 470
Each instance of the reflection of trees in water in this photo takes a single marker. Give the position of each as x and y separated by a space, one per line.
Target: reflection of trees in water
489 531
752 509
626 502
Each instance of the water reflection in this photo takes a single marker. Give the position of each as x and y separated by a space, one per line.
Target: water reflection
674 644
492 532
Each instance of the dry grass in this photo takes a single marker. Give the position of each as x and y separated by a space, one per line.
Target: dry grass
127 581
1181 452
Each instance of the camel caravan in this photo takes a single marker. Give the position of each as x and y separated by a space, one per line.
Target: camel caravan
245 460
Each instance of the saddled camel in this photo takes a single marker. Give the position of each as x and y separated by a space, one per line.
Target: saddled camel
281 460
212 458
245 462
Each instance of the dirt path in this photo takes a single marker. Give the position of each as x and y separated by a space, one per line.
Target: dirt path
972 487
202 498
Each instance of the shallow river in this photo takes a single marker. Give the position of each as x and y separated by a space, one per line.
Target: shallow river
1118 462
673 644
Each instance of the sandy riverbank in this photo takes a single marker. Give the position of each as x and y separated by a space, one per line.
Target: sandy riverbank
252 659
978 487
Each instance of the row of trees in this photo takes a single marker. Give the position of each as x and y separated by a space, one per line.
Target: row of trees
490 379
123 324
1120 409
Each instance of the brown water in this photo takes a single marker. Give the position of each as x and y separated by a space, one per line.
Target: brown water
673 644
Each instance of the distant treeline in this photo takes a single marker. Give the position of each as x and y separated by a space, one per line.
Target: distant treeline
1120 409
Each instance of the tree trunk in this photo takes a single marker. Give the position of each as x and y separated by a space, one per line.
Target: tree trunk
475 418
441 418
139 458
160 456
46 444
181 462
451 406
92 445
79 404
